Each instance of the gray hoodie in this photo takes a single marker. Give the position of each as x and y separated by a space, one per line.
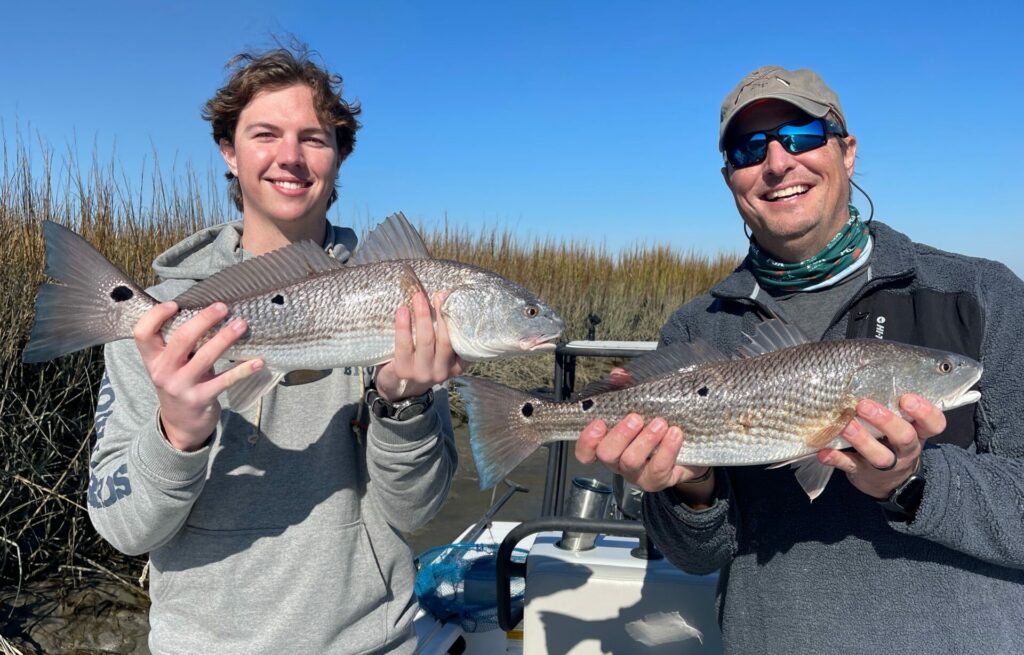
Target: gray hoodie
282 534
840 575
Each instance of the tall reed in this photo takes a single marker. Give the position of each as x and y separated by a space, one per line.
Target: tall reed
46 409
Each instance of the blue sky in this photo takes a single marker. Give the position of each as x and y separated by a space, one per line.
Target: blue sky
583 120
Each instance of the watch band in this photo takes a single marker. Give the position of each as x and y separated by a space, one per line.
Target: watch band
906 498
402 410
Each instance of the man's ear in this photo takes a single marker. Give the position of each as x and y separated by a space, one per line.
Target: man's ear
725 176
850 154
227 151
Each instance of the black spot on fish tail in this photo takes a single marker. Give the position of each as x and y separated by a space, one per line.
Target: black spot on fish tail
527 410
703 391
121 293
278 299
587 404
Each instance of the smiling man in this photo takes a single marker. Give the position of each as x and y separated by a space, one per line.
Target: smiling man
274 528
919 547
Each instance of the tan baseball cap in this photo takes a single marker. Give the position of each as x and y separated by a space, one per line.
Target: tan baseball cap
802 87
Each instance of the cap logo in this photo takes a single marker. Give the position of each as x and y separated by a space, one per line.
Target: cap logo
759 80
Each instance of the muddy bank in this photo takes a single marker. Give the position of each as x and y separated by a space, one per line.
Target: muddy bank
85 615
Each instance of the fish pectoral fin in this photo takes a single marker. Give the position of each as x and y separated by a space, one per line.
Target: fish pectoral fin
825 435
243 394
410 285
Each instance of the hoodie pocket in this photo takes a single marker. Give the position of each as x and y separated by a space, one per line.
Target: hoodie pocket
309 589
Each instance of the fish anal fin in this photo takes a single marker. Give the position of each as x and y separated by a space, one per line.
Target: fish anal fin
825 435
812 476
244 393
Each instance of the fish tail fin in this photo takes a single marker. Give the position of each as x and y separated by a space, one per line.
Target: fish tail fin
94 303
499 441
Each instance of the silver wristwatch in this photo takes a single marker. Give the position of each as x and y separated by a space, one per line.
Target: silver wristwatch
402 410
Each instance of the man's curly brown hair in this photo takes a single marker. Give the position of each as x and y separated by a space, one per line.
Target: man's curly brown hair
272 70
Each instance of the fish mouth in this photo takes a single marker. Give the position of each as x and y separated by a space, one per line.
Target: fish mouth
964 396
542 343
961 400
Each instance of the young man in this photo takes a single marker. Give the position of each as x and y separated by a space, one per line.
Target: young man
277 528
920 546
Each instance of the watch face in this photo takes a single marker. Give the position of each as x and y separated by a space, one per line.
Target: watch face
413 409
906 498
401 410
909 497
414 406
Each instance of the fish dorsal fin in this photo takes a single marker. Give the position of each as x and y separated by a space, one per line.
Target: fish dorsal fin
659 363
270 272
395 238
672 358
772 335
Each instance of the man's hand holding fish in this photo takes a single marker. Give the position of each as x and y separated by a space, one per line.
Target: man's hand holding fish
182 370
877 467
423 355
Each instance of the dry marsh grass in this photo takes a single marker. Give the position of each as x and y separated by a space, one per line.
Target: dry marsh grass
46 409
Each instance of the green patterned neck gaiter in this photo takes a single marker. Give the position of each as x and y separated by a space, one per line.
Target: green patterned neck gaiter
840 257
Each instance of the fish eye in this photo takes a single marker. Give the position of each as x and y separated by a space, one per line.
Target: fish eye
945 366
531 311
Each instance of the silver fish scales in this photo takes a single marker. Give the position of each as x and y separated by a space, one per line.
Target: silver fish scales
784 400
345 316
304 309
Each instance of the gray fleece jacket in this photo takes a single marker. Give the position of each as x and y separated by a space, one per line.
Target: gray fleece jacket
283 534
840 575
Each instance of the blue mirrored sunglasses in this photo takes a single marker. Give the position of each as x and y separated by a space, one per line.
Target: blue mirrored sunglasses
795 136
